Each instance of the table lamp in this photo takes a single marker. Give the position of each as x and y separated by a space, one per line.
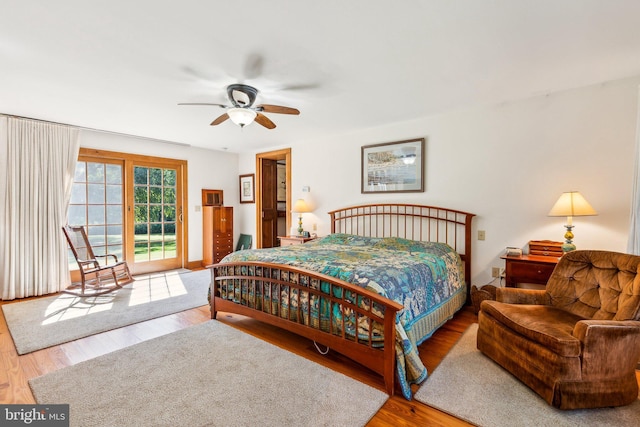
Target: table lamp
570 204
300 207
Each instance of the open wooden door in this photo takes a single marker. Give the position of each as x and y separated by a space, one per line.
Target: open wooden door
267 196
269 203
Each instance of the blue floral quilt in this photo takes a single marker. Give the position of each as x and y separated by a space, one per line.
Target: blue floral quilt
421 276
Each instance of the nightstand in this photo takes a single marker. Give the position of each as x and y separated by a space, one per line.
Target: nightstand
294 240
534 269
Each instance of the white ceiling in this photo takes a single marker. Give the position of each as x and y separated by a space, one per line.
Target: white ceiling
123 66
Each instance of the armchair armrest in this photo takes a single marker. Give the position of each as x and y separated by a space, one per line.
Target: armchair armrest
522 296
611 348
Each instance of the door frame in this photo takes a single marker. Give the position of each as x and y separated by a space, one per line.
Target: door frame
283 154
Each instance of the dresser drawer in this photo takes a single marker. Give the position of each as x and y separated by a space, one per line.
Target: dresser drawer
529 269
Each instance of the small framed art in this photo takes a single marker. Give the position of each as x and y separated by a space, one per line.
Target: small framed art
247 188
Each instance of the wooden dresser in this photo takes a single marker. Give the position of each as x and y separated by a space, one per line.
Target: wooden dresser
217 229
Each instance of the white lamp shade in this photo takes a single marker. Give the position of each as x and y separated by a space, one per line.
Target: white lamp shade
301 207
572 203
241 116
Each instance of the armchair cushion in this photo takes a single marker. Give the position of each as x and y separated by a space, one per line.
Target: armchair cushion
555 331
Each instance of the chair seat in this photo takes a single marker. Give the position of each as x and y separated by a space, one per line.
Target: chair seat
555 333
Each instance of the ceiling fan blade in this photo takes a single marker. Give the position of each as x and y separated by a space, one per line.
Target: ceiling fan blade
265 121
278 109
220 119
203 103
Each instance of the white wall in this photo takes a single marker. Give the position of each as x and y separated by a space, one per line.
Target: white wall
206 169
508 164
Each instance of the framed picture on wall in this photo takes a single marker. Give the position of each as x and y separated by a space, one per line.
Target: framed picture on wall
247 188
393 167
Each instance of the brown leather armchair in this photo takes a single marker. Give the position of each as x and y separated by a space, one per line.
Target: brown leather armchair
576 343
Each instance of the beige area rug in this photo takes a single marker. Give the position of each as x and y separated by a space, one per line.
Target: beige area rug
45 322
472 387
207 375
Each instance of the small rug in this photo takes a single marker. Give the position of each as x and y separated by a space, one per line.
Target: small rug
207 375
49 321
470 386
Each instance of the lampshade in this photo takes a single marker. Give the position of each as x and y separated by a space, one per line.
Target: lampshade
301 207
241 116
572 203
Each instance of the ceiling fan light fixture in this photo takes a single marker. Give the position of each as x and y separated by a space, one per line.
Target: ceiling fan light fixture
241 116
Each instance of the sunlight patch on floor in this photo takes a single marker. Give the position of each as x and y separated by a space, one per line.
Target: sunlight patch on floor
144 289
68 307
156 287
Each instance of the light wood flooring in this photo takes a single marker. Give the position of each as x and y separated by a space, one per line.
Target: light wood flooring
16 370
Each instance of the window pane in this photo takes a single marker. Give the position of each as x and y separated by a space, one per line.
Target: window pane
114 214
140 230
114 235
77 215
155 214
114 174
95 193
169 213
140 175
114 194
95 214
170 231
140 194
169 178
169 195
155 195
141 213
78 193
155 249
95 172
155 176
81 172
141 251
96 236
155 231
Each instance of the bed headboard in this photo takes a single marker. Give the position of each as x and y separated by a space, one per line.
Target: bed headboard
414 222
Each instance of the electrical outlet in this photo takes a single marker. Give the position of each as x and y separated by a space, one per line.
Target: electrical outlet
315 227
481 234
495 271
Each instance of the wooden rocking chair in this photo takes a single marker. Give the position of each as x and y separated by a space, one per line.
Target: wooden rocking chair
96 279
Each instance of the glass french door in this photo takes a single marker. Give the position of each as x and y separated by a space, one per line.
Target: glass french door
97 203
131 208
155 217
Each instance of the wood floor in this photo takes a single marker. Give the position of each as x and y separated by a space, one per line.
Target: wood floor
16 370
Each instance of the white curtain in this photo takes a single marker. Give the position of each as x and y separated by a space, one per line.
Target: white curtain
633 247
39 162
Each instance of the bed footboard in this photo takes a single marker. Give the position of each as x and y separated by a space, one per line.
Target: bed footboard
349 319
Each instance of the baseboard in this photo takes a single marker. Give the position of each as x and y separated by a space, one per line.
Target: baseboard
194 265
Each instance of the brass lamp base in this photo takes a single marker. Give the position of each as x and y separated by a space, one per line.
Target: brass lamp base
568 245
300 229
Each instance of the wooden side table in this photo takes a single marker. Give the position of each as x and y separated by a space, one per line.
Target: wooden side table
534 269
294 240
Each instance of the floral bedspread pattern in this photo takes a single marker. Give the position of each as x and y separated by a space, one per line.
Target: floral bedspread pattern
419 275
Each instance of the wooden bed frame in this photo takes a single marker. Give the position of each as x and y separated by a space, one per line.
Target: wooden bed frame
300 286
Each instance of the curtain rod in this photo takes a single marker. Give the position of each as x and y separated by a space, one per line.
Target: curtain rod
99 130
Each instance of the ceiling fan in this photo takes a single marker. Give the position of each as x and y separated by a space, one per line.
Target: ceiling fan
242 111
